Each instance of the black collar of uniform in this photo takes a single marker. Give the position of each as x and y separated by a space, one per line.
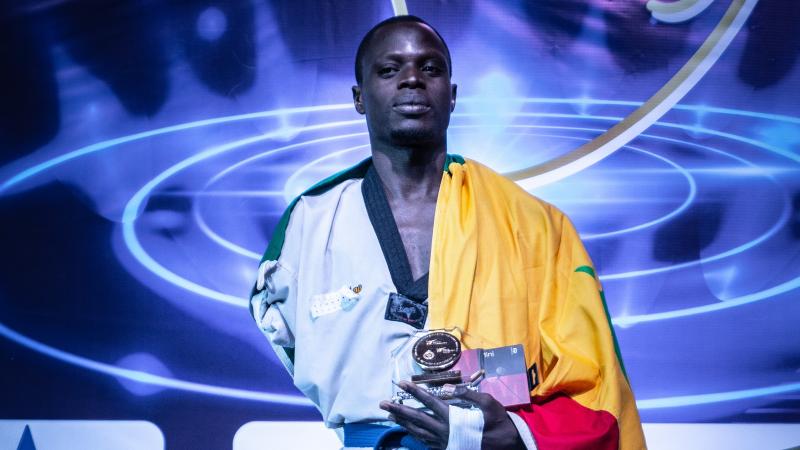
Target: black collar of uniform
382 219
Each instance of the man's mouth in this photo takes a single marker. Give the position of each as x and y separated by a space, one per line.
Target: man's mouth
411 108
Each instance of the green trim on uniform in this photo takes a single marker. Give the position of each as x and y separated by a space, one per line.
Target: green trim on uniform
590 271
452 158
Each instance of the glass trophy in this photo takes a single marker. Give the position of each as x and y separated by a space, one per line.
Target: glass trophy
432 359
436 361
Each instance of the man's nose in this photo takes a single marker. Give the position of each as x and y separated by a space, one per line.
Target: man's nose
411 78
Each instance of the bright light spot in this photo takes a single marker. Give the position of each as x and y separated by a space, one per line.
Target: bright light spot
211 24
496 105
143 363
785 136
719 281
497 98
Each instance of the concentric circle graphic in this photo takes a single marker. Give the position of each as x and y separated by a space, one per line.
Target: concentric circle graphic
256 172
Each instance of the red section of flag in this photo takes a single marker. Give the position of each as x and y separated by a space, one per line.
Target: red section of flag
561 423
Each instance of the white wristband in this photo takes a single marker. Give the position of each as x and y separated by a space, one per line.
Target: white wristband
466 429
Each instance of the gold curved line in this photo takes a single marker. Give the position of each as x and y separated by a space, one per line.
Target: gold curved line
643 110
670 8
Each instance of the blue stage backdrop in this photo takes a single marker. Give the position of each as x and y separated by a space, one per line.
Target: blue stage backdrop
149 148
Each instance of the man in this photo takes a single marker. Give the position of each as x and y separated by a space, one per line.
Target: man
369 258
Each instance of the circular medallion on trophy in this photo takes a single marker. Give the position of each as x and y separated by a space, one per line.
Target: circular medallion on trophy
437 351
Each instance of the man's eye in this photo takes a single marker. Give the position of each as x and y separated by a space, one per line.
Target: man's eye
435 70
384 71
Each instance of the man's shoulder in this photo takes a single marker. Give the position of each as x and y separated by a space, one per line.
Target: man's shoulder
329 197
320 198
331 188
338 181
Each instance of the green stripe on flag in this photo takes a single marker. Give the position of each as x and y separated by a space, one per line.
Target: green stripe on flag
590 271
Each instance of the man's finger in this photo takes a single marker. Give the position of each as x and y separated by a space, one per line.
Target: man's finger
420 433
433 439
438 407
483 401
407 414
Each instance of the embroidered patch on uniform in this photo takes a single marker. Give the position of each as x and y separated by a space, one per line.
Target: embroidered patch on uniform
342 300
400 308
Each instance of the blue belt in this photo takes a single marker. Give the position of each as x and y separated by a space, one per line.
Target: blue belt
379 436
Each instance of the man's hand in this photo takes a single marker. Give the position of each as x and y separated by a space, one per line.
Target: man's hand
499 432
433 430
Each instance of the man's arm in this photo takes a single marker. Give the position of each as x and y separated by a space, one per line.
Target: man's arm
273 297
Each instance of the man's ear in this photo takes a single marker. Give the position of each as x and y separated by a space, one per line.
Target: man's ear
357 102
453 97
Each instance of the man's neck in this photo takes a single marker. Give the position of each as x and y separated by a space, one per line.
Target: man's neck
409 173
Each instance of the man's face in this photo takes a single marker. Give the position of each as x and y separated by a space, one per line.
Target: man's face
406 92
